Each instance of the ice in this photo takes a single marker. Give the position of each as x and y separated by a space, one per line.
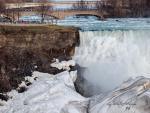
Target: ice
133 98
48 94
65 65
57 94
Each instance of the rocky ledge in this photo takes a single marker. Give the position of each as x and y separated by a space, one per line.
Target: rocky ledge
24 49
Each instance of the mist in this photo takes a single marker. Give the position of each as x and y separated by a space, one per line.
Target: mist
112 57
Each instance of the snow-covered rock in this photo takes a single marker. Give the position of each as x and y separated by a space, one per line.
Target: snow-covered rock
57 94
65 65
132 96
48 94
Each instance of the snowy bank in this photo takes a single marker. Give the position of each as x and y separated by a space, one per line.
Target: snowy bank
57 94
48 94
65 65
132 96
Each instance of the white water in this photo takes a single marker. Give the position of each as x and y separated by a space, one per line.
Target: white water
111 57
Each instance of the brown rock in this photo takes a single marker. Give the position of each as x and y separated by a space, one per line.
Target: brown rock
22 48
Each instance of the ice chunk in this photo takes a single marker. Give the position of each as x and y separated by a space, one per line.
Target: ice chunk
133 97
48 94
65 65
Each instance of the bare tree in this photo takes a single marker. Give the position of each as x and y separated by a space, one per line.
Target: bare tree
101 7
115 9
2 7
81 5
4 10
27 0
18 10
15 12
138 8
43 9
124 8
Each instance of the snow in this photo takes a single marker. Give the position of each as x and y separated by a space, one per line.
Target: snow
57 94
133 97
65 65
48 94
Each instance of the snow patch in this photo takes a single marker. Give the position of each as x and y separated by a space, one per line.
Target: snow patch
57 94
132 97
48 94
65 65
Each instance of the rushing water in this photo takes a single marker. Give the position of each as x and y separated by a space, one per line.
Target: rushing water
110 57
112 51
93 24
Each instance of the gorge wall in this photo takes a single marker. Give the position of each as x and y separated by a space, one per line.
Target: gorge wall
24 49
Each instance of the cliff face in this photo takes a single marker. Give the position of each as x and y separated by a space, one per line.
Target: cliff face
24 49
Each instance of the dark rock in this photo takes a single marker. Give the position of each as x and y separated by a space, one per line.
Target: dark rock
27 83
35 78
79 83
22 89
4 97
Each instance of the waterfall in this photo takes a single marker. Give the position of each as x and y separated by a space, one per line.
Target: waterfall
111 57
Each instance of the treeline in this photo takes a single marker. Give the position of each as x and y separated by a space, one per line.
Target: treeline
114 8
81 5
11 12
125 8
16 12
118 8
15 1
4 2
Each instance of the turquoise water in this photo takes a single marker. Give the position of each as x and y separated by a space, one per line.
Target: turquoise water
109 24
92 23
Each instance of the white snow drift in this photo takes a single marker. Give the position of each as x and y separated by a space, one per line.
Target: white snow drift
65 65
132 97
56 94
49 94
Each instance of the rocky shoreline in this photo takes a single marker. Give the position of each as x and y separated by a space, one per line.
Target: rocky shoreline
24 49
